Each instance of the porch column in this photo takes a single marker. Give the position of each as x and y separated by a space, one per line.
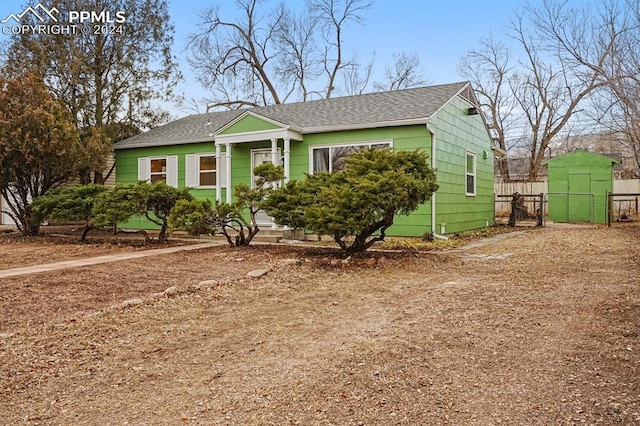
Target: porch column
274 151
287 153
275 161
218 170
228 171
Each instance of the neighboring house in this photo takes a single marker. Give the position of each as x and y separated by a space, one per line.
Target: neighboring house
213 152
519 170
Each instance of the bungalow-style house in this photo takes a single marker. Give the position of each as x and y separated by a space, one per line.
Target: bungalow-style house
213 152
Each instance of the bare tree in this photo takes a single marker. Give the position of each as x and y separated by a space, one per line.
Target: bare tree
622 74
268 58
489 69
549 86
599 47
237 58
565 56
333 16
356 77
299 58
403 73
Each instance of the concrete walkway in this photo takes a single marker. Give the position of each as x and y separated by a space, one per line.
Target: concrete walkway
486 241
100 259
14 272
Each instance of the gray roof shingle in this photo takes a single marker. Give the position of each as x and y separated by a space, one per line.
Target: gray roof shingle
189 129
311 116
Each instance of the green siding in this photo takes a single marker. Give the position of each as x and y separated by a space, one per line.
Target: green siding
402 138
573 175
249 123
456 133
127 170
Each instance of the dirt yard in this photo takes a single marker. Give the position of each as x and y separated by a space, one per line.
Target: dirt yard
540 328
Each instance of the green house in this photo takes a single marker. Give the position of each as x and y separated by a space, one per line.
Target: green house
578 183
213 152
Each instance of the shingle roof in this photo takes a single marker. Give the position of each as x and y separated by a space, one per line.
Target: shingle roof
189 129
311 116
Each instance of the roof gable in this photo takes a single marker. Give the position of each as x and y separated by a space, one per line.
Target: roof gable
249 121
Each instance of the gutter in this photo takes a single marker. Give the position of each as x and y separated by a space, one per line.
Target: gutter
433 197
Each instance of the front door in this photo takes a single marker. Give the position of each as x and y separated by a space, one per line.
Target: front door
260 156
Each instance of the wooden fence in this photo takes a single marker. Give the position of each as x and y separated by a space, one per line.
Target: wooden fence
503 205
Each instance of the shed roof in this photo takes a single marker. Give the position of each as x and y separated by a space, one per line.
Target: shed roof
368 110
569 156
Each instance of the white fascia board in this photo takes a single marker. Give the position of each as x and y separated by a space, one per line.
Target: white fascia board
150 144
379 124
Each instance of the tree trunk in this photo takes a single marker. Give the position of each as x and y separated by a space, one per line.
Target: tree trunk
85 231
503 165
98 178
163 236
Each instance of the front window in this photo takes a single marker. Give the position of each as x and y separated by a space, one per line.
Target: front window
207 170
331 158
471 173
158 167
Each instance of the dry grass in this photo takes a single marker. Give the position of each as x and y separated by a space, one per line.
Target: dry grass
541 328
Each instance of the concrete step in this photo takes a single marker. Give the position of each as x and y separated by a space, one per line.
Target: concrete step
275 235
266 238
261 237
271 231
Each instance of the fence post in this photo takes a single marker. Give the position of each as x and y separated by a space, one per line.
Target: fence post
541 210
514 202
609 208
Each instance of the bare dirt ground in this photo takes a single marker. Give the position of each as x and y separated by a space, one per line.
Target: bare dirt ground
17 251
541 328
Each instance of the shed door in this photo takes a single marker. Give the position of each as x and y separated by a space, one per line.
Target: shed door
579 198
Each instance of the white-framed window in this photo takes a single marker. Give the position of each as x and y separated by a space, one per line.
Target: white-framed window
207 170
160 168
201 170
330 158
470 173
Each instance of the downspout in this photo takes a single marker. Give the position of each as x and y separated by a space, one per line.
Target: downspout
433 197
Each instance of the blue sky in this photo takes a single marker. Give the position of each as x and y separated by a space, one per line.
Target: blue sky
440 32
